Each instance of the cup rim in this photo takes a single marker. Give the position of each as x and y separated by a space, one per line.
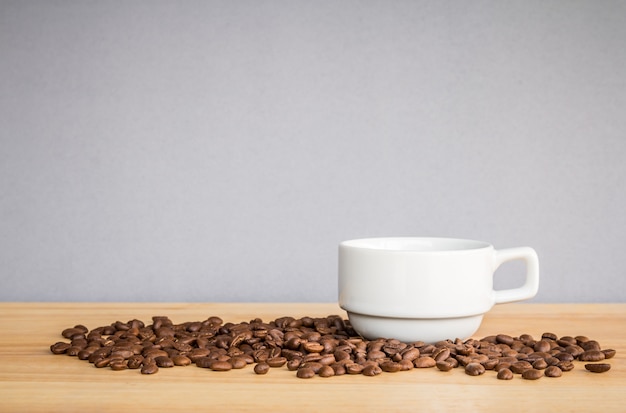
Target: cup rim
415 245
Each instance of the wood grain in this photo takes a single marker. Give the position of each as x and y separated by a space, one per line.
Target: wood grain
33 379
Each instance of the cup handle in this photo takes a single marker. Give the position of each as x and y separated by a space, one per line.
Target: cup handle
530 287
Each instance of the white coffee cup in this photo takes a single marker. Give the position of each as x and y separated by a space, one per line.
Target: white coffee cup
425 289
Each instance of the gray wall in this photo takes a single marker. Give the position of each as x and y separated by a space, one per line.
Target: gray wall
219 151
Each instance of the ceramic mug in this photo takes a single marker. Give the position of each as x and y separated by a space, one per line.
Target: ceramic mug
425 289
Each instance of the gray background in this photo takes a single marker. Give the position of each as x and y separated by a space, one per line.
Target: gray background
219 151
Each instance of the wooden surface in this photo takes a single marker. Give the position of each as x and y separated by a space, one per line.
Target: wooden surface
32 379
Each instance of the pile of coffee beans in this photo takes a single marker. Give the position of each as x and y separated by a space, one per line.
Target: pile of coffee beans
323 347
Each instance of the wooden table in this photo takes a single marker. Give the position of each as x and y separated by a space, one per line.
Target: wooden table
32 379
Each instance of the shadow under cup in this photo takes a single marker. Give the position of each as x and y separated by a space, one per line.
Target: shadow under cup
425 289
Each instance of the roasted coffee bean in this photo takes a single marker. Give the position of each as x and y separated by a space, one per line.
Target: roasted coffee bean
590 345
294 364
490 364
411 354
204 362
163 361
598 367
327 359
424 362
376 355
103 362
261 368
277 361
474 369
563 356
505 374
390 366
592 355
540 364
119 365
149 368
354 368
122 353
220 365
565 365
73 351
313 365
180 360
59 347
371 370
504 339
135 361
608 353
238 362
339 369
441 354
72 332
312 347
532 374
305 373
406 365
553 371
520 366
542 346
444 365
326 371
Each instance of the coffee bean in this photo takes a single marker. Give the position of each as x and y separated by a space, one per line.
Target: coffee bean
441 354
312 347
339 369
179 360
474 369
149 368
305 373
590 345
563 356
491 363
520 366
553 371
424 362
261 368
371 370
354 368
313 365
540 364
592 355
505 374
277 361
135 361
504 339
220 365
542 346
119 365
326 371
294 363
565 365
532 374
608 353
598 367
59 347
444 365
103 362
390 366
238 362
163 361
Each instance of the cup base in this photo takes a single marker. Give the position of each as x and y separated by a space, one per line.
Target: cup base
408 330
